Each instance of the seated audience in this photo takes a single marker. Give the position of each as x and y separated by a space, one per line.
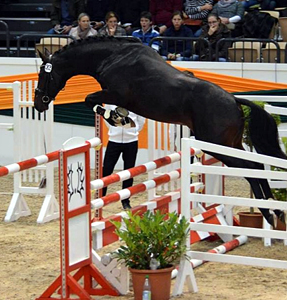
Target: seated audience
212 32
97 10
146 33
177 49
83 30
231 13
112 27
162 11
64 15
197 10
129 13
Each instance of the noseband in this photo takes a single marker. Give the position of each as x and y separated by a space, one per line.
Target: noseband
48 77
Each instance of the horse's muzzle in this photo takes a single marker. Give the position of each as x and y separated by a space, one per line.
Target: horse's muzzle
41 101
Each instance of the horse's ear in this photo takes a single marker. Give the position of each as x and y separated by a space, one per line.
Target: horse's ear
44 58
47 53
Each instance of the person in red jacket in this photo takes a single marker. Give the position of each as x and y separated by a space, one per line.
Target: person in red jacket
162 11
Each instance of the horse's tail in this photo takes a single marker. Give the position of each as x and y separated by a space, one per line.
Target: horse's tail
263 130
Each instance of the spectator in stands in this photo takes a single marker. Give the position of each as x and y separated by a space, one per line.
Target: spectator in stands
177 49
83 30
64 15
197 10
97 9
212 32
248 3
231 13
112 27
268 4
162 11
129 13
122 141
146 33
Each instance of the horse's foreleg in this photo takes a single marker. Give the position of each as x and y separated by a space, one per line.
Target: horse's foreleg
118 117
101 97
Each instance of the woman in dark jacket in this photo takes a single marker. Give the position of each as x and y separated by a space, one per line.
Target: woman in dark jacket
211 34
177 49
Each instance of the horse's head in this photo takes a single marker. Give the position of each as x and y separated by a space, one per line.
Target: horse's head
47 88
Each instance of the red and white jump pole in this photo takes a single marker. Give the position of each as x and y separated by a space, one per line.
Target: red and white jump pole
135 171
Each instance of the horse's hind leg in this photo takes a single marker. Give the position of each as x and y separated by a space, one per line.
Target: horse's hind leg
268 195
260 187
259 190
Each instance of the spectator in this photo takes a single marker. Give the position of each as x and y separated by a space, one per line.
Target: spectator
231 13
112 27
197 10
212 32
122 141
64 15
268 4
248 3
146 33
129 13
97 9
162 11
83 30
177 50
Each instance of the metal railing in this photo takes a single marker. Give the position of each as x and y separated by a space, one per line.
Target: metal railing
167 43
257 51
7 33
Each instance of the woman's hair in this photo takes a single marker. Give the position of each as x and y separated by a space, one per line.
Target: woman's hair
111 14
213 15
83 15
177 13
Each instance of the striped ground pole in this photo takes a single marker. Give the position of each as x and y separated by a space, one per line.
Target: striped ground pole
39 160
228 246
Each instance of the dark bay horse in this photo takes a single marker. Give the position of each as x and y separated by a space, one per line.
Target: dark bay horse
135 77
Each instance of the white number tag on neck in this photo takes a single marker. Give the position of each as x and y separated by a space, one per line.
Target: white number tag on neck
48 68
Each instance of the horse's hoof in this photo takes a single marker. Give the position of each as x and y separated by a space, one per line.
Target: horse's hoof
121 112
99 110
128 122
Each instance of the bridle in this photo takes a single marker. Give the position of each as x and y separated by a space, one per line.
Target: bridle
48 78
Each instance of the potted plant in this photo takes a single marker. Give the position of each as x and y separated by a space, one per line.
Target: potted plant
154 244
252 218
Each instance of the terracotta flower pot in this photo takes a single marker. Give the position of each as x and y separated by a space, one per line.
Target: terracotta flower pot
247 219
160 281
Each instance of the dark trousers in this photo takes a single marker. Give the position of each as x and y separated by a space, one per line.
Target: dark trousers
113 152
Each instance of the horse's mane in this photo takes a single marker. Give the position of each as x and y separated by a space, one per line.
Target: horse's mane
97 39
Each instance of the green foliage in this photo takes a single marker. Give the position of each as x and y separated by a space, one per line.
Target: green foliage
246 112
152 235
